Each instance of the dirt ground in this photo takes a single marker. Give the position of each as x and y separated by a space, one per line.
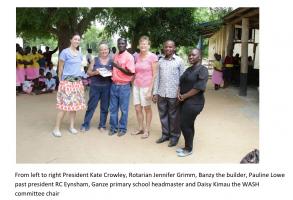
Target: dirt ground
226 130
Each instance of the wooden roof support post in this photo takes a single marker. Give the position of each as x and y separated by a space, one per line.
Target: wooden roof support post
229 39
244 57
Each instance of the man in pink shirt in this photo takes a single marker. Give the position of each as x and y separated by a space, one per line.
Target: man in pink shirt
123 71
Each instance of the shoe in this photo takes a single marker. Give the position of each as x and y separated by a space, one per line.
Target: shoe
121 134
162 139
83 129
184 153
145 135
112 133
180 150
172 143
56 133
102 130
137 132
72 131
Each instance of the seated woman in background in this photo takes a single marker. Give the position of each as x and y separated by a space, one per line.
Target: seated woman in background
41 80
49 85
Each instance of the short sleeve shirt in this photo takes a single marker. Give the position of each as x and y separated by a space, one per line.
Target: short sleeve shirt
194 78
144 70
19 58
28 58
36 57
72 64
50 84
126 61
167 80
217 65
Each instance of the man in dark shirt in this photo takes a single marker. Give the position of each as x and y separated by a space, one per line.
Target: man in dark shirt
191 95
48 54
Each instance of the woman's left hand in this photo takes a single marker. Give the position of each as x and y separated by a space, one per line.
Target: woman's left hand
115 64
181 97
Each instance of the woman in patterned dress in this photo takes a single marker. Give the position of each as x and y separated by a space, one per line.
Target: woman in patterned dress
70 95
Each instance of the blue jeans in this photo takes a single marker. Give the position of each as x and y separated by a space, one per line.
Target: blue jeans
120 95
97 93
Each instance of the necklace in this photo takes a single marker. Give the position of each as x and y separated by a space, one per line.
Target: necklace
73 52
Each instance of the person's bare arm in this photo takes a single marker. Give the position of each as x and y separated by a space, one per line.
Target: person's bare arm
154 72
60 68
190 93
54 51
123 70
90 71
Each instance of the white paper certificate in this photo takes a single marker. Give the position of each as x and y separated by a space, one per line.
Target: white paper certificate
104 72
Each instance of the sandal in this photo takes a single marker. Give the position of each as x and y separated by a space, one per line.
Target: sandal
137 132
145 135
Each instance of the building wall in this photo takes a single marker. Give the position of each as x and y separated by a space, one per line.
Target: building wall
217 43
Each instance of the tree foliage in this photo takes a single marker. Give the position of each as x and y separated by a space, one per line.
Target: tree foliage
58 22
93 36
202 15
160 24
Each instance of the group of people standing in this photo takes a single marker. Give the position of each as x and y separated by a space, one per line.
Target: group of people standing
225 71
34 70
178 92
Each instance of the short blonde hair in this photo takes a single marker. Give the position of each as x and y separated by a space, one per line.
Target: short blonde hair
144 38
103 44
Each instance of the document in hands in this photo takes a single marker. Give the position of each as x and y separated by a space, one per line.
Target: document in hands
104 72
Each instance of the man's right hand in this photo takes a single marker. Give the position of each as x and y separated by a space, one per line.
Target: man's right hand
155 98
115 64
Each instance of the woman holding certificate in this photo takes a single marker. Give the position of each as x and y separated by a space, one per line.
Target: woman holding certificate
100 72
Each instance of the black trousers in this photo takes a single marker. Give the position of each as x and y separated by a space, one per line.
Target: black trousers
227 75
188 114
169 112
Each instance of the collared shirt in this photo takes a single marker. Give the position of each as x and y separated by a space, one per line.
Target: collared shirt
50 84
195 77
126 61
167 80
